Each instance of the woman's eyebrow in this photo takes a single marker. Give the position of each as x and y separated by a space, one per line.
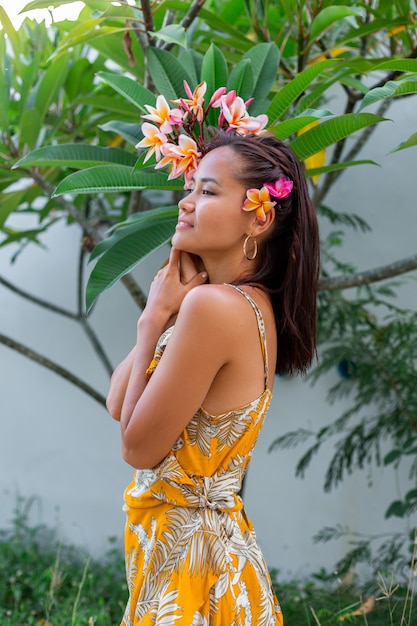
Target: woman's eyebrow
210 180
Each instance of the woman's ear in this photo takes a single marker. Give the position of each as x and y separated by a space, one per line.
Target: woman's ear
259 227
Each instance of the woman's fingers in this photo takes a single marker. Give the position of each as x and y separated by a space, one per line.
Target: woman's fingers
187 268
174 260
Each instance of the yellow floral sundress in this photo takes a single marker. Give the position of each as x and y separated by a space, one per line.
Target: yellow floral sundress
192 558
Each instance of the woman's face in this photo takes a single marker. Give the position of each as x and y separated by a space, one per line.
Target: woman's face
211 220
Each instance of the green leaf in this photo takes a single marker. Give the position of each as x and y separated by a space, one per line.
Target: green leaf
9 202
411 495
315 96
265 61
373 26
4 97
396 508
129 245
329 132
112 48
76 155
173 33
329 16
132 90
392 456
214 70
365 66
50 85
285 129
30 127
112 178
289 94
111 104
411 142
45 4
10 31
241 79
87 32
29 74
130 132
317 171
167 73
392 88
234 37
80 74
193 61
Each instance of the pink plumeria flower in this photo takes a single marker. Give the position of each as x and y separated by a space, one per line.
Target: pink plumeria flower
195 101
258 200
181 157
251 125
236 115
216 98
162 115
281 188
189 177
152 139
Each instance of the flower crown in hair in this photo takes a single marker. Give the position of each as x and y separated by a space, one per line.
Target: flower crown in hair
259 200
177 136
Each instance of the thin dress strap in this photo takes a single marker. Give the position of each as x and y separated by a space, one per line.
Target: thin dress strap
261 328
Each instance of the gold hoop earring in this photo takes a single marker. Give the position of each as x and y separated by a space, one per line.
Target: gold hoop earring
255 249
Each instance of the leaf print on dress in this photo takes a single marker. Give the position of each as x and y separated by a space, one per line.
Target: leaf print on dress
166 610
171 548
199 620
206 549
242 602
146 542
131 568
200 431
232 426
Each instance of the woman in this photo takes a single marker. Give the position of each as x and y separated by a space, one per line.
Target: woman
236 302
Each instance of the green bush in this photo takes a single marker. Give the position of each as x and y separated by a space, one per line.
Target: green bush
45 582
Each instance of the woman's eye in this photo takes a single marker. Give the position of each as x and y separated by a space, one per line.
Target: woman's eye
207 192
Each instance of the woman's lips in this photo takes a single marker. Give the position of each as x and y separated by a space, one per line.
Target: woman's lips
183 225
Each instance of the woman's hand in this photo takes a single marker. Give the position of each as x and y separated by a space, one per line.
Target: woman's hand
171 284
168 289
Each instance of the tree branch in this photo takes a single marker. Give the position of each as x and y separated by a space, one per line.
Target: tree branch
38 301
192 13
134 290
147 15
370 276
45 362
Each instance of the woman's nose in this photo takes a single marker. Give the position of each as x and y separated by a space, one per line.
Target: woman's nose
186 203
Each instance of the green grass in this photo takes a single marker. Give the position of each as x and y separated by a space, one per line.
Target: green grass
44 582
47 583
324 603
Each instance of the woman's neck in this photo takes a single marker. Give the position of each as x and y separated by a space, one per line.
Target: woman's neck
227 270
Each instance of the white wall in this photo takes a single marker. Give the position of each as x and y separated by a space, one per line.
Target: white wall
58 444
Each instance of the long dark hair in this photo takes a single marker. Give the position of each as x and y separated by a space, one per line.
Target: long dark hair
288 259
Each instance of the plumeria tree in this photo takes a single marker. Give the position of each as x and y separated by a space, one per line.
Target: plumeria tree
96 130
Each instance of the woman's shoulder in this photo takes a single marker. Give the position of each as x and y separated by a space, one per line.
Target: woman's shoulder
213 297
213 303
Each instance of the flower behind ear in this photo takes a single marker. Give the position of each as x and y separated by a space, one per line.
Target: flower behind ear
258 200
281 188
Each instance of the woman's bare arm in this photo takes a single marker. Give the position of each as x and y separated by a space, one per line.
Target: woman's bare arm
168 289
154 414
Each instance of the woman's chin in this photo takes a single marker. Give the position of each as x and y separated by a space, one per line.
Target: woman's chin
179 243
